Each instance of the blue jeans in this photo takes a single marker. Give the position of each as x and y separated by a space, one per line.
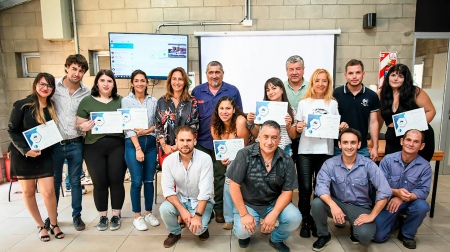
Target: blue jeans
289 220
415 212
363 151
141 172
227 203
169 215
73 153
67 181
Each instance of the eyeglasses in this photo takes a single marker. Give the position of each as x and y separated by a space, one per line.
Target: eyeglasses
42 85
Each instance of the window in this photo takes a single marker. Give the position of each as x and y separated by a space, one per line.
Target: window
100 60
31 64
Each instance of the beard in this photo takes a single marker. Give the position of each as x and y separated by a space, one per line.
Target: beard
186 151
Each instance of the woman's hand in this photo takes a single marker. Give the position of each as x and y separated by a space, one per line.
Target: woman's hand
288 121
140 132
86 126
139 155
343 126
251 118
33 153
300 126
226 161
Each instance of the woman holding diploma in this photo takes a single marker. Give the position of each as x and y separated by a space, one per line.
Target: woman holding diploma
397 95
275 91
312 152
30 165
228 122
140 151
104 153
176 108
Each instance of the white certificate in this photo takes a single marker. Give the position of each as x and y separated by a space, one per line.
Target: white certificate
323 126
227 148
42 136
413 119
107 122
267 110
134 118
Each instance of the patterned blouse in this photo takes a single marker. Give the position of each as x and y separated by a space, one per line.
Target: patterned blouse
168 118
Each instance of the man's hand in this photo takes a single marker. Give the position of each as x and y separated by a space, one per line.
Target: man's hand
269 223
363 219
186 216
196 224
394 204
338 215
374 154
404 194
248 224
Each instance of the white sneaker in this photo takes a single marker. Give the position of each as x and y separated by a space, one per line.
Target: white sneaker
151 219
139 224
86 181
68 193
83 191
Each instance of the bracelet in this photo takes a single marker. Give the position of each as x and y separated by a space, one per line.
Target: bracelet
250 126
198 214
138 148
244 215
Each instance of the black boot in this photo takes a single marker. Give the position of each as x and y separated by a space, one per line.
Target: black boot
305 230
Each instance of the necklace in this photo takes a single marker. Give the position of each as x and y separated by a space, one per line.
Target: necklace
268 163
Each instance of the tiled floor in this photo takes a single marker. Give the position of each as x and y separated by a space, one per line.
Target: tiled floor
18 231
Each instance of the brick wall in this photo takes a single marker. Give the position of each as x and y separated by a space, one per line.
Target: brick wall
21 31
427 48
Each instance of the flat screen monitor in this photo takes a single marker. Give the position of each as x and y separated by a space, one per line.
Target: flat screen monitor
155 54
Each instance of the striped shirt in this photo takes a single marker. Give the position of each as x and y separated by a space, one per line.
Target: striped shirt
149 103
66 106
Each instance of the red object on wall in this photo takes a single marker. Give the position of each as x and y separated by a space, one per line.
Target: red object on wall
7 166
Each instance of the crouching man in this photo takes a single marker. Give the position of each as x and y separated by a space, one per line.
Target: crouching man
262 180
191 171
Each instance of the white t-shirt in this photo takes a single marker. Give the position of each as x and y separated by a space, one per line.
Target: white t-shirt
313 145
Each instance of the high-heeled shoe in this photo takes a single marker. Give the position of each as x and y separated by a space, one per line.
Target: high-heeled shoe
59 235
44 238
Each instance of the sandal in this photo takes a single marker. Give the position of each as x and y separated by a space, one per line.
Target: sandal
44 238
59 235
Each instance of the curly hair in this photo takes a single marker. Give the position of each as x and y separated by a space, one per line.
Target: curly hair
217 124
407 92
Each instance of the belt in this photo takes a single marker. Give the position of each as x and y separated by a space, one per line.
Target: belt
73 140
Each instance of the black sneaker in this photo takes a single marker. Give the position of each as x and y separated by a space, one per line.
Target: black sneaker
78 223
305 232
243 243
352 237
321 242
407 242
103 223
204 236
115 223
279 246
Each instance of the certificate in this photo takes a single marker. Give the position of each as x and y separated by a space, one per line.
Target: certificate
227 148
267 110
413 119
42 136
323 126
107 122
134 118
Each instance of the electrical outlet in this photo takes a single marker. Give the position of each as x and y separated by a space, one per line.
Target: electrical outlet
247 22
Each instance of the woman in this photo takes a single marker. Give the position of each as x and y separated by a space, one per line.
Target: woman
312 152
228 122
176 108
140 151
30 165
399 95
103 153
275 91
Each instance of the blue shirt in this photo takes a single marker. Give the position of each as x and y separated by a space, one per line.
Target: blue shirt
416 177
149 103
206 103
352 185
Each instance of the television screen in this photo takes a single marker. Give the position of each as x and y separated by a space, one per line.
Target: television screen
155 54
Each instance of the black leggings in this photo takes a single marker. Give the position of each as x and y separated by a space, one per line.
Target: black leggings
309 166
393 143
106 165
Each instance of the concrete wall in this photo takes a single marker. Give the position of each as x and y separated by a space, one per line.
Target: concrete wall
427 48
21 31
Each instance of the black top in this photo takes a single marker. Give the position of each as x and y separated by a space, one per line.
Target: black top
355 110
260 188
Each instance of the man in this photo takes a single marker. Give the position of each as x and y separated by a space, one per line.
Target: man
342 190
262 182
191 171
207 95
358 107
68 94
409 176
296 87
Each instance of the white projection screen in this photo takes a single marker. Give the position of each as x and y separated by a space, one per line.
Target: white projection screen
250 58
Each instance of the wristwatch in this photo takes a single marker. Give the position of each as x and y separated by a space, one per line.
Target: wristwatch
198 214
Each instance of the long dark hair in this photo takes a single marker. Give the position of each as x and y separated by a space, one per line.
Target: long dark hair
278 83
217 123
407 92
133 75
95 91
35 105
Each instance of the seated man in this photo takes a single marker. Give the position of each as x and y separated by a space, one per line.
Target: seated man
262 180
191 170
409 176
343 190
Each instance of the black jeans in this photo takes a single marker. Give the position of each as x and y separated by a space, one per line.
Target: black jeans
106 164
309 166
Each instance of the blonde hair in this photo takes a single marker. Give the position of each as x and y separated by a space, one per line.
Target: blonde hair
328 96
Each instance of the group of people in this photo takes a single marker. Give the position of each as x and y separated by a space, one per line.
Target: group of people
254 188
